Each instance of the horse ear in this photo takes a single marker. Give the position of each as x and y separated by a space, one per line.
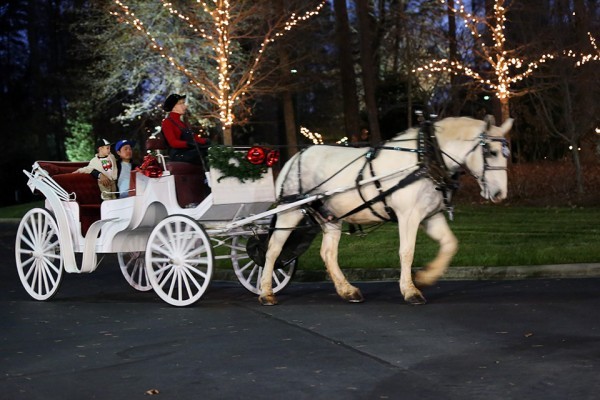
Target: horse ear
506 126
489 122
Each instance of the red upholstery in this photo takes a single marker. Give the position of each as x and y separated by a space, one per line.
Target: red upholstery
60 167
190 185
156 143
84 186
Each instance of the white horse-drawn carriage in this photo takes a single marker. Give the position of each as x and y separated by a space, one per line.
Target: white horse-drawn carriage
161 244
166 246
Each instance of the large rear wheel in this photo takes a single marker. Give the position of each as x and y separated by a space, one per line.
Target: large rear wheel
37 253
179 260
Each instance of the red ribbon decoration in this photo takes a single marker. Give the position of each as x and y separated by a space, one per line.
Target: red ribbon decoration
150 167
272 158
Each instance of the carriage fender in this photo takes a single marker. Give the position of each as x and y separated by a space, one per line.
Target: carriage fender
64 234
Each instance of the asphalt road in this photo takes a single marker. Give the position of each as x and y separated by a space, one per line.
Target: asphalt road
100 339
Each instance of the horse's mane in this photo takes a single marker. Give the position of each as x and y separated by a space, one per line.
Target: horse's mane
457 128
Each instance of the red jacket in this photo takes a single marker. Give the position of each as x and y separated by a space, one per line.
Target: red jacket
171 128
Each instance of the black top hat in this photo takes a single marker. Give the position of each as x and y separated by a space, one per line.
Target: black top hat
102 142
171 101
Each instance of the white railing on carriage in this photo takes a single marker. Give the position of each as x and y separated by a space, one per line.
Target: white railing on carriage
40 174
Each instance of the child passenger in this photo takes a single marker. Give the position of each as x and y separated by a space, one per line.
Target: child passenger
103 167
124 165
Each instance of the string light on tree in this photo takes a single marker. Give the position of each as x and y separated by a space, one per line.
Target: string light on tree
507 68
315 137
233 85
585 58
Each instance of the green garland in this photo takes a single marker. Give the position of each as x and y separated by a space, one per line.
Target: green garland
220 157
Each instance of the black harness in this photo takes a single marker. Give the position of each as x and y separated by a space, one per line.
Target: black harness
430 165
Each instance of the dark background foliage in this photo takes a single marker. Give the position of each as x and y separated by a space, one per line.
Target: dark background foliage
64 59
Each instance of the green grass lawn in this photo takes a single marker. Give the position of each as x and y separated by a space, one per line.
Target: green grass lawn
19 210
488 236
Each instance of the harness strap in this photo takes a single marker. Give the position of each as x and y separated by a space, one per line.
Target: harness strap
369 157
407 180
438 171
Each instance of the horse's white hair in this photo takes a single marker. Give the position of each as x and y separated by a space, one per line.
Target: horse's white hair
464 142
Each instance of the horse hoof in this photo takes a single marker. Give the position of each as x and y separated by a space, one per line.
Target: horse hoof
355 297
416 300
267 300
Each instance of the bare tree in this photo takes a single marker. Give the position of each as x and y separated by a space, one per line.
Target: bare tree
369 73
346 63
506 66
236 36
565 96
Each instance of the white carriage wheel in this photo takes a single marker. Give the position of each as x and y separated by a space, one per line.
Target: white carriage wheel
179 260
133 267
37 252
249 273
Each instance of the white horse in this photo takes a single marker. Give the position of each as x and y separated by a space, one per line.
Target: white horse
416 201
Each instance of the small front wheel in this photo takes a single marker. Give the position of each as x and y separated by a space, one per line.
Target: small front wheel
179 260
249 272
133 267
37 252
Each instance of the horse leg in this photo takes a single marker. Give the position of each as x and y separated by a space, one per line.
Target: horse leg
283 228
332 233
407 229
437 228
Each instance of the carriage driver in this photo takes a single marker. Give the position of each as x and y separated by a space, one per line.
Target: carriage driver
183 143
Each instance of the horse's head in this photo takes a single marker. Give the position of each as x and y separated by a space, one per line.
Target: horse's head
488 158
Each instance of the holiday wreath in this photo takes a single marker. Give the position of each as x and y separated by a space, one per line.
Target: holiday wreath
252 165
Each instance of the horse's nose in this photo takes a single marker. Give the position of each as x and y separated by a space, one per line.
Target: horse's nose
498 196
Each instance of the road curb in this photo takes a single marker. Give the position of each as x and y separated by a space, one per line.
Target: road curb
453 273
584 270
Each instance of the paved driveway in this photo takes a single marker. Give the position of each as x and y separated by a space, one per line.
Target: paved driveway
99 339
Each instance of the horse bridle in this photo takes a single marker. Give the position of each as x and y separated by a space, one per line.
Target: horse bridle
484 141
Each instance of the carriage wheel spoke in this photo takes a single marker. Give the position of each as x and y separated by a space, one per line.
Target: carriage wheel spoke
28 242
38 258
249 273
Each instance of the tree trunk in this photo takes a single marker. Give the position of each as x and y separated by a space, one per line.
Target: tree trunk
227 136
456 102
368 69
287 101
289 118
35 74
504 110
577 163
348 79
